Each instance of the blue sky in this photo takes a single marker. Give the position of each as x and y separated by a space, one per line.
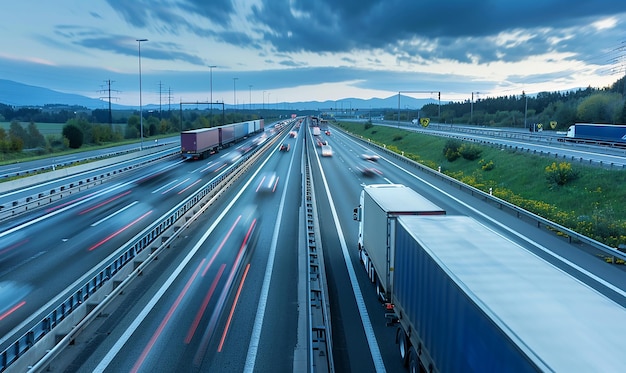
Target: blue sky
302 50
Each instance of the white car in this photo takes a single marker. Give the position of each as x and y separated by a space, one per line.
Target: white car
268 183
327 151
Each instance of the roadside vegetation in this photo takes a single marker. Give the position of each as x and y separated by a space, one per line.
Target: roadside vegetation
24 137
586 199
555 110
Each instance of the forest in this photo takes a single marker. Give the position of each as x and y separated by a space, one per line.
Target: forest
590 105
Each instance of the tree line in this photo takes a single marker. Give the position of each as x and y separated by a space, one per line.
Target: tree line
85 127
590 105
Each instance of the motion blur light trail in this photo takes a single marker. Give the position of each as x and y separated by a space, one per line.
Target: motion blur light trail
119 231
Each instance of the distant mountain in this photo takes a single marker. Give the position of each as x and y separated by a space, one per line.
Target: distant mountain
18 94
357 103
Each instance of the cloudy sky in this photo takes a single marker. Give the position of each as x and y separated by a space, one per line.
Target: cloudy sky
311 50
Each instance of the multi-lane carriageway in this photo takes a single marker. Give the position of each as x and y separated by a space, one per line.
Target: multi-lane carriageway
230 293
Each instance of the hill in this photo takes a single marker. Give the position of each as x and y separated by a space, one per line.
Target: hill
17 94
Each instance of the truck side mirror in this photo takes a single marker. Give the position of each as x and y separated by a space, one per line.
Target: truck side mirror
356 214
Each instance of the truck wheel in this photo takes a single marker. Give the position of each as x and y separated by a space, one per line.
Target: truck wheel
403 346
414 365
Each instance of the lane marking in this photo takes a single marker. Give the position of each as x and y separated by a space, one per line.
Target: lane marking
114 234
113 214
105 202
164 186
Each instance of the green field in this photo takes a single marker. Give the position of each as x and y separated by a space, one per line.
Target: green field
592 204
44 128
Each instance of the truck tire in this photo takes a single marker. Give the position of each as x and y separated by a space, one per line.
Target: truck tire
403 345
414 365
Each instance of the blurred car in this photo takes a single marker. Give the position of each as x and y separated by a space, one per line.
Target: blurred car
268 183
284 148
370 157
247 230
259 140
293 134
327 151
368 171
327 132
321 143
232 157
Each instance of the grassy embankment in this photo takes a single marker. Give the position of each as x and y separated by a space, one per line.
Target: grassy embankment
56 129
592 204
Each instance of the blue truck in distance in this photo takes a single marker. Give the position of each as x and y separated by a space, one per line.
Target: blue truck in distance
464 298
593 133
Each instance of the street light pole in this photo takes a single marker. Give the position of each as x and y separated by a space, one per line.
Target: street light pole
235 93
140 99
211 70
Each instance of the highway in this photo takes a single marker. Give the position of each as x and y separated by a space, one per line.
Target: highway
227 295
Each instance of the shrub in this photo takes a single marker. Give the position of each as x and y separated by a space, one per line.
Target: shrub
74 135
368 125
486 166
451 150
470 152
560 174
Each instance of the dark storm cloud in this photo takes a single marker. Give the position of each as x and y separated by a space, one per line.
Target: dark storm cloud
458 30
454 27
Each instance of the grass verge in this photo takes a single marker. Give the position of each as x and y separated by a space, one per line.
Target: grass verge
592 204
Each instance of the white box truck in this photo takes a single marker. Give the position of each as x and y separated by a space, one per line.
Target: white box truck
379 203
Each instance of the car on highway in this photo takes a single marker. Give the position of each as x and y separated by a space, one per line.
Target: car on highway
370 157
231 157
320 143
293 134
327 151
368 170
284 147
267 183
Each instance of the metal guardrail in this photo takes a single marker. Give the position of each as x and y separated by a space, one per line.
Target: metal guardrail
571 235
20 206
319 310
453 131
55 165
68 317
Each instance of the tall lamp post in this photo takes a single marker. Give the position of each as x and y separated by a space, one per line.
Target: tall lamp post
211 77
140 99
235 93
211 74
